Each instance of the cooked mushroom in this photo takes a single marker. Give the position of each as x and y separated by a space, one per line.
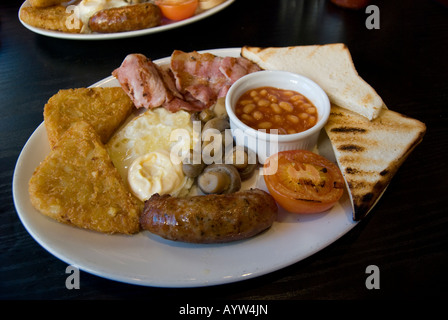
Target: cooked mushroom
247 172
244 160
194 117
216 140
216 123
193 166
219 178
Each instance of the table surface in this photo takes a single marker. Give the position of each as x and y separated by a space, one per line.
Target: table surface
405 60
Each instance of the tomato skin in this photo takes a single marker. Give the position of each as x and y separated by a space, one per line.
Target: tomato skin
290 183
178 9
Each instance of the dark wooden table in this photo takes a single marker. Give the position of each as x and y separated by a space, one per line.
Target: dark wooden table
405 60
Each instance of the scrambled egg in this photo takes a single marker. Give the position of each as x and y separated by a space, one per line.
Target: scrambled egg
147 152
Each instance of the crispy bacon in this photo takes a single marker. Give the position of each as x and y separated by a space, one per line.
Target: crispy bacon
193 81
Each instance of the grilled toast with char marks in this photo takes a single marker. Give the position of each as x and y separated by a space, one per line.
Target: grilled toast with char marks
369 153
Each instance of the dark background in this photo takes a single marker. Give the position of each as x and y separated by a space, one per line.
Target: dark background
405 61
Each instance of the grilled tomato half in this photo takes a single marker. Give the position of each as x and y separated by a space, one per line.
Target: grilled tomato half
178 9
302 181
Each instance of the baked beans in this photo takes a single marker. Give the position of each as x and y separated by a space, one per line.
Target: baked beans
273 108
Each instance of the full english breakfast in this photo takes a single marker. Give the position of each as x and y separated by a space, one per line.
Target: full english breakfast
109 16
145 166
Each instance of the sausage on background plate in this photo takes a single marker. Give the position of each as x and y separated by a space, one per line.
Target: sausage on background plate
126 18
212 218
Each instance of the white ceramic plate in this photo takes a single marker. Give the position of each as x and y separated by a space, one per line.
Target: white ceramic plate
146 259
167 25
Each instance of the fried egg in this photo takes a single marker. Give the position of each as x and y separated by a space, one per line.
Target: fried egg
147 152
154 172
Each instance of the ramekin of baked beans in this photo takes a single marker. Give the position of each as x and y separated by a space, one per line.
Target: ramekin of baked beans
272 111
271 108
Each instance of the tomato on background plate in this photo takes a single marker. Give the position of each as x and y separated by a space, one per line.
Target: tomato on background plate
302 181
178 9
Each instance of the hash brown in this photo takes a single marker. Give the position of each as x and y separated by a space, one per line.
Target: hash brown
78 184
54 18
104 108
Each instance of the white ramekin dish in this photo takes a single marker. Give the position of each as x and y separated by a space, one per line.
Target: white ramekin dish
265 144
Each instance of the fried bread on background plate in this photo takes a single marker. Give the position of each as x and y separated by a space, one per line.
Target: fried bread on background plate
330 66
369 153
53 18
45 3
78 184
104 108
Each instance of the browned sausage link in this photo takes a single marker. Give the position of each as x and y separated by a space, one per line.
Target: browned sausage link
213 218
126 18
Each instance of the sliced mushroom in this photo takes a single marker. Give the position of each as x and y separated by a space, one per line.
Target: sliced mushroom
219 178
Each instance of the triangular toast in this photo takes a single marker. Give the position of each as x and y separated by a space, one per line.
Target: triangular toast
104 108
369 153
330 66
77 184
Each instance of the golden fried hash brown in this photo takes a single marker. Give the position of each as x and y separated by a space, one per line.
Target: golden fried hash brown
104 108
55 18
77 184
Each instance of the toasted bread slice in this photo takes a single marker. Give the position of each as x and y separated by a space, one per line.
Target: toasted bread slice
369 153
77 184
330 66
104 108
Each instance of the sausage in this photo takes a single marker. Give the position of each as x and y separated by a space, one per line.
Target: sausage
212 218
126 18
